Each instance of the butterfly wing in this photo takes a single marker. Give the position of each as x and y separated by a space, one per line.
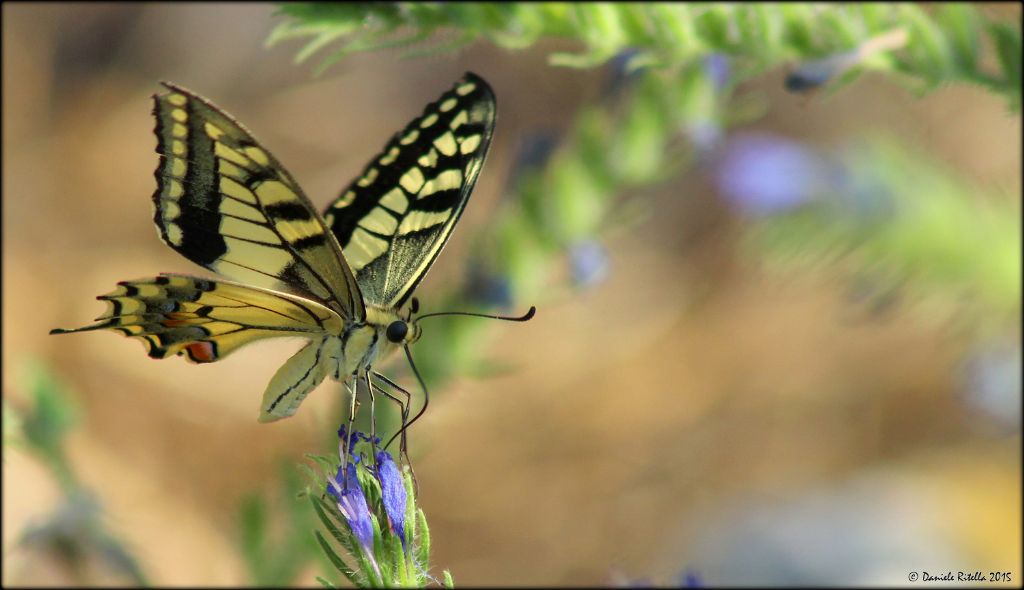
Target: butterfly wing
207 320
224 202
393 220
297 377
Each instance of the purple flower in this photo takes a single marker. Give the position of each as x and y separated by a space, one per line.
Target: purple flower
534 152
716 66
392 491
623 71
812 74
588 262
488 287
690 579
352 505
992 380
352 440
705 135
762 174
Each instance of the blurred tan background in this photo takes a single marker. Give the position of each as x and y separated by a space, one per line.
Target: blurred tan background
691 412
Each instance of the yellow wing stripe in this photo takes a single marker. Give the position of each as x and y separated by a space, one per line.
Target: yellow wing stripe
395 218
207 320
224 202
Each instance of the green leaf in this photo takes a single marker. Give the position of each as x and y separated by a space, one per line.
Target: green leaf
410 507
336 560
423 549
321 40
328 466
339 528
944 44
335 525
714 22
962 24
253 524
927 46
12 426
379 549
1007 40
52 415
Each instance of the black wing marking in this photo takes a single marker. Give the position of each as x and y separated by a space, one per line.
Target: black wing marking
393 220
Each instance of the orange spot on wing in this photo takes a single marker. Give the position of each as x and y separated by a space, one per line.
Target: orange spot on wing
175 320
202 352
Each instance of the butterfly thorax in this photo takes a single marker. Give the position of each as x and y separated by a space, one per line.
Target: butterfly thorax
382 333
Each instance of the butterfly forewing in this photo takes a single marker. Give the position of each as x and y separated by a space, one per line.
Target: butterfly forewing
393 220
224 202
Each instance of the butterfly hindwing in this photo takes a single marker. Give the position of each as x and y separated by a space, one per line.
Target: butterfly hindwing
207 320
297 377
224 202
393 220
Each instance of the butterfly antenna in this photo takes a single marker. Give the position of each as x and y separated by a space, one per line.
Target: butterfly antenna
523 318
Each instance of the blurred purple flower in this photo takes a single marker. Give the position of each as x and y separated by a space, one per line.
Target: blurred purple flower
487 287
622 75
534 152
812 74
764 174
860 191
352 505
392 491
685 579
992 380
588 261
705 135
690 579
716 66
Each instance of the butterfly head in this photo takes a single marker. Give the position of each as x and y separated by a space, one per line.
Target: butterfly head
394 331
402 332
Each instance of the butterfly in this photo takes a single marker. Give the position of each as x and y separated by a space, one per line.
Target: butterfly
338 280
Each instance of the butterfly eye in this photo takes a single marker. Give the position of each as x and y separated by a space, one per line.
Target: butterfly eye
397 331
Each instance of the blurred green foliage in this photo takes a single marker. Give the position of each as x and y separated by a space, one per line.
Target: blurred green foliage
75 531
274 530
52 416
943 236
945 42
671 103
907 223
673 107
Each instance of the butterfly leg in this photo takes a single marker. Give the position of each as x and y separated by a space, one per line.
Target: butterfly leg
373 418
349 441
406 406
